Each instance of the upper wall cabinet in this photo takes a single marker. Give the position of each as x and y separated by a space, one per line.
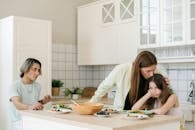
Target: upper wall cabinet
167 28
191 16
21 38
107 32
161 22
117 11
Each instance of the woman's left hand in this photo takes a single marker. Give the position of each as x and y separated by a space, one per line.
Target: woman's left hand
167 81
47 98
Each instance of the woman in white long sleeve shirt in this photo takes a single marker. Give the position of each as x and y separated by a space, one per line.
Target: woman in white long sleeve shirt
129 80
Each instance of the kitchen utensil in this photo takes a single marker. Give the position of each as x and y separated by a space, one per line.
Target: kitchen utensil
73 101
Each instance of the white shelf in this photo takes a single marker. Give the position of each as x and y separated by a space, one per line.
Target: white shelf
164 46
177 59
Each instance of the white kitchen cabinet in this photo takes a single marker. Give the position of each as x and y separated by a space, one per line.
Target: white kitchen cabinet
191 21
127 42
21 38
162 22
166 28
107 32
92 49
33 123
33 120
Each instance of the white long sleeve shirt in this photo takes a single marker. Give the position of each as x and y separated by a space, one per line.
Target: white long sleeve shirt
119 78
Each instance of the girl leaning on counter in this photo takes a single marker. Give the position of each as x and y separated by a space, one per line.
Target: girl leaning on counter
25 92
160 99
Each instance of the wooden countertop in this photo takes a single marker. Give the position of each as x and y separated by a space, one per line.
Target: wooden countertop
115 121
67 101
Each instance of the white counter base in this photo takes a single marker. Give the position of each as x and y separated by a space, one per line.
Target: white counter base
43 120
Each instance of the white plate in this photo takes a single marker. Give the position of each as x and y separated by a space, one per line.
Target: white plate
136 116
61 111
145 112
111 110
100 115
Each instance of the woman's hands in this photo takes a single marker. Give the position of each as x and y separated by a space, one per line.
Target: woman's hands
167 81
37 106
46 99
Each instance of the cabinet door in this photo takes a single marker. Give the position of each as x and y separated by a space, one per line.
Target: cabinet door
127 31
87 29
107 32
33 39
106 46
96 44
173 15
127 42
192 20
149 22
127 10
108 14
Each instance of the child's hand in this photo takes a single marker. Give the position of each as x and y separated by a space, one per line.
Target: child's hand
149 93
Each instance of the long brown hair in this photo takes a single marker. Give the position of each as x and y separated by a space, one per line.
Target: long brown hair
161 84
143 59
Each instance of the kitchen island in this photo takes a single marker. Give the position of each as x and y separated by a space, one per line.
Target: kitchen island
47 120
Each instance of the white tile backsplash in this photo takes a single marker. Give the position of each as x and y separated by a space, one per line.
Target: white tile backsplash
89 75
75 83
68 57
62 75
68 66
82 83
96 74
82 75
69 48
180 76
68 83
69 74
64 67
75 75
75 67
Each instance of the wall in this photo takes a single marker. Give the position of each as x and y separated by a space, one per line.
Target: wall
3 90
65 68
181 75
61 12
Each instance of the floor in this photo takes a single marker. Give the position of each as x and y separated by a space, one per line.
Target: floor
189 126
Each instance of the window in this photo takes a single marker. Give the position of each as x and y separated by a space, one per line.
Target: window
149 21
126 9
172 21
108 13
161 21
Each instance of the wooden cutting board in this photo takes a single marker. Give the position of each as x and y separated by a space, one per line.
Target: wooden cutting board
88 92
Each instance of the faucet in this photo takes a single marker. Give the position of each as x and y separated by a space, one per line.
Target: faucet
191 96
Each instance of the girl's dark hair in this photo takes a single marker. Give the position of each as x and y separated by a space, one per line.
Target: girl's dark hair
27 65
143 59
158 79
